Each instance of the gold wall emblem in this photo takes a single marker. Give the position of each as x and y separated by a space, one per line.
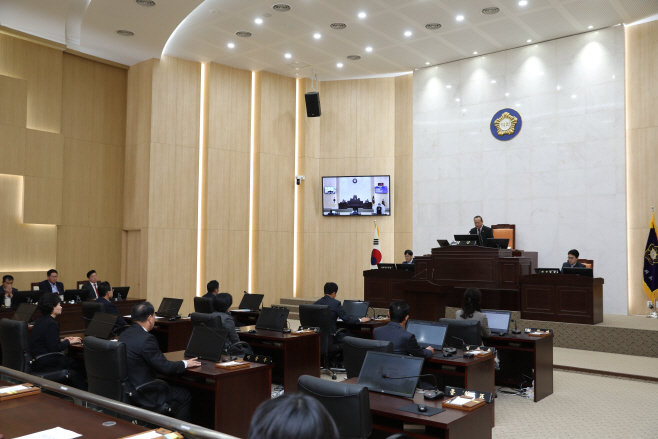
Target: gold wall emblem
505 124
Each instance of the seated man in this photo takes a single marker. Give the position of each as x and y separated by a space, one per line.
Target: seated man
481 230
145 361
572 260
408 257
105 293
8 288
51 285
404 342
92 286
213 289
337 310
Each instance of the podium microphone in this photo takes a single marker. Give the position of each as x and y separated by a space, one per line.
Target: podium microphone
416 275
432 394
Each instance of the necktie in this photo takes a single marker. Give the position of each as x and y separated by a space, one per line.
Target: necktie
95 291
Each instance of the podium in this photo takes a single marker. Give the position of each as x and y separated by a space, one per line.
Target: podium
426 299
381 287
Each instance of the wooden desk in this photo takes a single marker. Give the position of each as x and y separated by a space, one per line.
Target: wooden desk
224 400
171 335
293 355
362 330
568 298
519 355
452 424
30 414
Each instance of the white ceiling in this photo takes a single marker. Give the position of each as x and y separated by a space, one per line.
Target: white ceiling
200 30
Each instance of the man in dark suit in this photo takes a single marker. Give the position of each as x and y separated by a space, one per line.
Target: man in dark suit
92 286
8 288
337 310
51 285
145 361
572 260
213 289
105 293
408 257
404 342
481 230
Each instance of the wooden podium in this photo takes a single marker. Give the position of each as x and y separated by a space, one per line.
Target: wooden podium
381 287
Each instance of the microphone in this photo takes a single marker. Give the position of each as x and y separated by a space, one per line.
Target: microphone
516 330
418 274
432 394
463 342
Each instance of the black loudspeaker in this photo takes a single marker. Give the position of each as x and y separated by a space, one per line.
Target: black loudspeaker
313 104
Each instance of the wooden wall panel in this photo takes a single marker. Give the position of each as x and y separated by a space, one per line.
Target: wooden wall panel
13 95
131 268
139 101
42 200
403 187
641 152
45 154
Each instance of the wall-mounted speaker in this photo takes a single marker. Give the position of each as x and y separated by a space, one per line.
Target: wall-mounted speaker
313 104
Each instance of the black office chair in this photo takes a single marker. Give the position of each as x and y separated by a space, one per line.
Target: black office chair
212 320
89 309
107 371
16 351
319 316
355 350
348 404
204 305
462 329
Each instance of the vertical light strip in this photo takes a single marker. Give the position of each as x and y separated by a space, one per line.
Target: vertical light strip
202 104
251 176
294 238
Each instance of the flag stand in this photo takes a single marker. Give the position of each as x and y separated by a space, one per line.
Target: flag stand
654 313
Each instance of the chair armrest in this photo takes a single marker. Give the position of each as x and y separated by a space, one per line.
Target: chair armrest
45 355
339 330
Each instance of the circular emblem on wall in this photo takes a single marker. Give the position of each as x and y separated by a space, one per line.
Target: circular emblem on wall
354 180
506 124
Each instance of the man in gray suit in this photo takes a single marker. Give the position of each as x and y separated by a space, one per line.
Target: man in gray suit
404 342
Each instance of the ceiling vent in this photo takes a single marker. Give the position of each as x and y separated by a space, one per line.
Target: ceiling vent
281 7
490 11
148 3
125 33
338 26
353 57
243 33
433 26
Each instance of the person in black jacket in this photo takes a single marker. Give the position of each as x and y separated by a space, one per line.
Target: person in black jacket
145 361
404 342
337 310
222 303
51 284
213 289
92 285
105 293
572 260
45 339
481 230
8 288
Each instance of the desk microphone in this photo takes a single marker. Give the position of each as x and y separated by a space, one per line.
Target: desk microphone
516 330
416 275
457 338
432 394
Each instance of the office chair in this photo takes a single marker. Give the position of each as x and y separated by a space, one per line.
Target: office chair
348 404
319 316
89 309
212 320
464 329
355 350
16 351
107 371
204 305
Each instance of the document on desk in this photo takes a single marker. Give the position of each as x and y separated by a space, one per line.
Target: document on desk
148 435
13 389
240 310
53 433
460 401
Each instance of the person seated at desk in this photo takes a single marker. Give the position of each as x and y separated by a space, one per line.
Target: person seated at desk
471 310
51 284
408 257
105 293
337 310
145 361
223 302
292 416
45 339
481 230
213 289
572 260
404 342
8 288
92 286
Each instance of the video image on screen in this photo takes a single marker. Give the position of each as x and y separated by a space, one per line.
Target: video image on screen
368 195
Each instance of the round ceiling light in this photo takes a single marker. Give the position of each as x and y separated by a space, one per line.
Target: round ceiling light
125 33
338 26
433 26
353 57
243 33
490 11
281 7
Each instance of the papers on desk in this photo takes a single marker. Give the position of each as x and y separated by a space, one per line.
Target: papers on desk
148 435
460 401
232 363
13 389
53 433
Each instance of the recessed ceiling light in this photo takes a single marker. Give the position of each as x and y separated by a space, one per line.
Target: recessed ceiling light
523 3
590 27
457 100
506 94
460 17
475 53
518 105
362 15
428 63
368 49
558 88
125 33
339 65
407 33
231 45
493 81
317 36
574 96
464 110
448 86
529 41
287 55
258 21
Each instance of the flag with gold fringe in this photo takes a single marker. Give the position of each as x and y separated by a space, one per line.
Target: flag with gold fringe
376 254
651 261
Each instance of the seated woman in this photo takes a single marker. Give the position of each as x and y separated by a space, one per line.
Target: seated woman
471 310
45 339
222 303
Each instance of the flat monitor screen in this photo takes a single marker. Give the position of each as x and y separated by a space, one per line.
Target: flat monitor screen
498 320
356 195
428 333
382 266
169 307
76 295
497 242
101 325
31 296
467 239
588 272
381 372
120 293
406 267
251 301
356 308
206 343
273 319
25 312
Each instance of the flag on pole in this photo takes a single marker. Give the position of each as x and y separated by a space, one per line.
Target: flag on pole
650 261
376 255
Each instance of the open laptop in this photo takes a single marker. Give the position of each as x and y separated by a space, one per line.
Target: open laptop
382 373
273 319
169 307
428 333
25 312
356 308
547 270
251 302
101 325
498 320
443 242
206 343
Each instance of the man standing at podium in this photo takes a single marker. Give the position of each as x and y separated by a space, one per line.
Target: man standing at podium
572 260
481 230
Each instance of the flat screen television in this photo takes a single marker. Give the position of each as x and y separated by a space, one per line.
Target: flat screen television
355 195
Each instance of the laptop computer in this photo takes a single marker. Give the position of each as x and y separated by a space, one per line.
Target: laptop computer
443 242
206 343
381 373
251 301
25 312
428 333
498 320
356 308
101 325
547 270
169 307
273 319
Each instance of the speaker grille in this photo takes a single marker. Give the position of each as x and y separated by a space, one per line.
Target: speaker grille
433 26
243 33
353 57
281 7
125 33
145 2
490 11
338 26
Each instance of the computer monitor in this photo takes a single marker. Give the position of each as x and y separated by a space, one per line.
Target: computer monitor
76 295
26 297
251 301
382 266
406 267
498 320
273 319
587 272
206 343
25 312
101 325
497 242
120 293
381 373
356 308
462 329
467 239
169 307
428 333
547 270
443 242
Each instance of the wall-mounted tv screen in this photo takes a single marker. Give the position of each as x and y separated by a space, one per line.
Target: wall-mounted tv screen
367 195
